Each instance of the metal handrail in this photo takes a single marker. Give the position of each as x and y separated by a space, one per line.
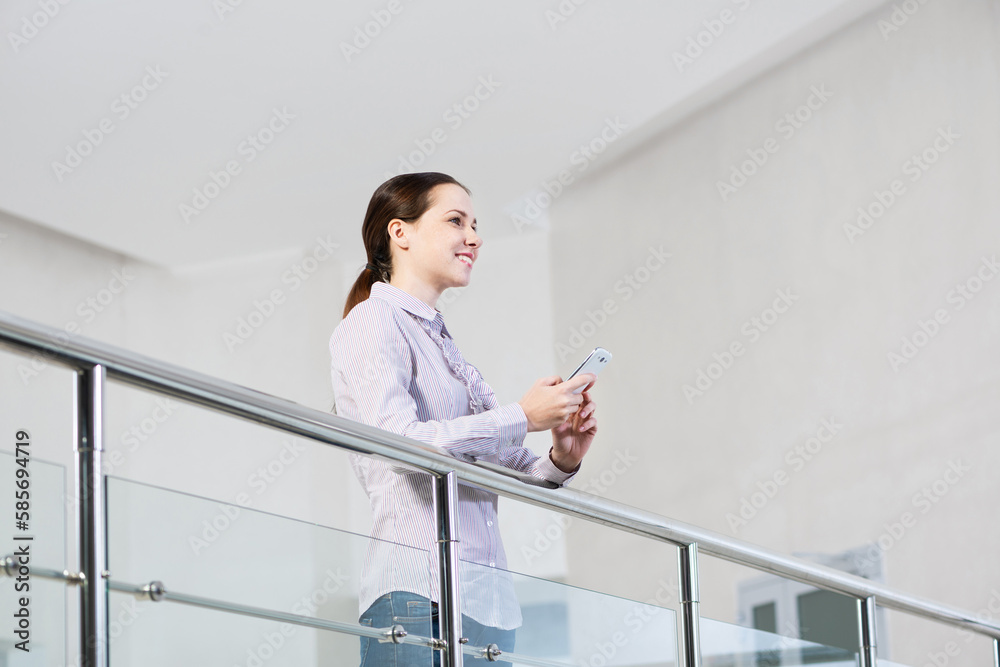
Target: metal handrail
203 390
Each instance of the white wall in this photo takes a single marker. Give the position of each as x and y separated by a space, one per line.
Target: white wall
900 429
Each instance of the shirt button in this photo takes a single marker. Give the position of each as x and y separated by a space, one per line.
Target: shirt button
489 523
493 564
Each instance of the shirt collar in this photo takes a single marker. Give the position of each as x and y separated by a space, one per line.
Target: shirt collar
407 302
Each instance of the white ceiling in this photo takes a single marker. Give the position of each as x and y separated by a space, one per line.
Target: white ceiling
224 74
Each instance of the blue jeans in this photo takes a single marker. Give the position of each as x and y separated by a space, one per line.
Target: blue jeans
419 616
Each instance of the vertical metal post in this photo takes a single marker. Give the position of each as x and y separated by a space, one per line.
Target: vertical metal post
996 653
449 608
687 563
92 516
866 627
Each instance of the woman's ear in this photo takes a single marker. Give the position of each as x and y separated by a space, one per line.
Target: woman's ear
397 233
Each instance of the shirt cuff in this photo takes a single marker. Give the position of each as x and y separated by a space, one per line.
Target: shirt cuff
512 425
548 470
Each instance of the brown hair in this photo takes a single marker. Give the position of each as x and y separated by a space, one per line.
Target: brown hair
407 197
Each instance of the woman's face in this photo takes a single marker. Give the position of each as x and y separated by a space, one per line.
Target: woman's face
443 243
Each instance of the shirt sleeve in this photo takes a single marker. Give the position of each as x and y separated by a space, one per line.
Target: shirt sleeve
372 370
524 460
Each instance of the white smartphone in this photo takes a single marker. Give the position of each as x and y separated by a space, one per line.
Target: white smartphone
594 362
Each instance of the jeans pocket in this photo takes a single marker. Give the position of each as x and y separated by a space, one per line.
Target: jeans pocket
418 612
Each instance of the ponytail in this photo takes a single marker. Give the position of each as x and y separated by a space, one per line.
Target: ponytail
362 288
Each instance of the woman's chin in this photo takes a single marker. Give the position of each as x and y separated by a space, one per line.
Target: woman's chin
463 278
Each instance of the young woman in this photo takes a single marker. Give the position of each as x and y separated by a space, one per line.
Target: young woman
395 366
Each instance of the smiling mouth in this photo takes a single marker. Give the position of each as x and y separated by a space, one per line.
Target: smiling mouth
465 259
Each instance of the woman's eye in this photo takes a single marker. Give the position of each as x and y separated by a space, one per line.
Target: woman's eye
458 220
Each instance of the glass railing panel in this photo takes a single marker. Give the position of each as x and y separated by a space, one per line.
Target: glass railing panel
177 445
148 633
904 639
34 606
725 644
239 558
558 624
780 607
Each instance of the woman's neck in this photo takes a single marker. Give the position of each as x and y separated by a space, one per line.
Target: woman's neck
418 289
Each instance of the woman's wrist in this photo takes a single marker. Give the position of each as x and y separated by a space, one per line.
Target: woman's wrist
562 463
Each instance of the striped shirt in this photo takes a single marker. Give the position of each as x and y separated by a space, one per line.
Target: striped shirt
396 367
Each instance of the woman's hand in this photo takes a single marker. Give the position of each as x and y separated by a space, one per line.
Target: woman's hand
550 401
571 440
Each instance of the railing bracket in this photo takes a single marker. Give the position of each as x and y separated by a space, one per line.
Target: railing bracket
395 634
154 590
492 652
